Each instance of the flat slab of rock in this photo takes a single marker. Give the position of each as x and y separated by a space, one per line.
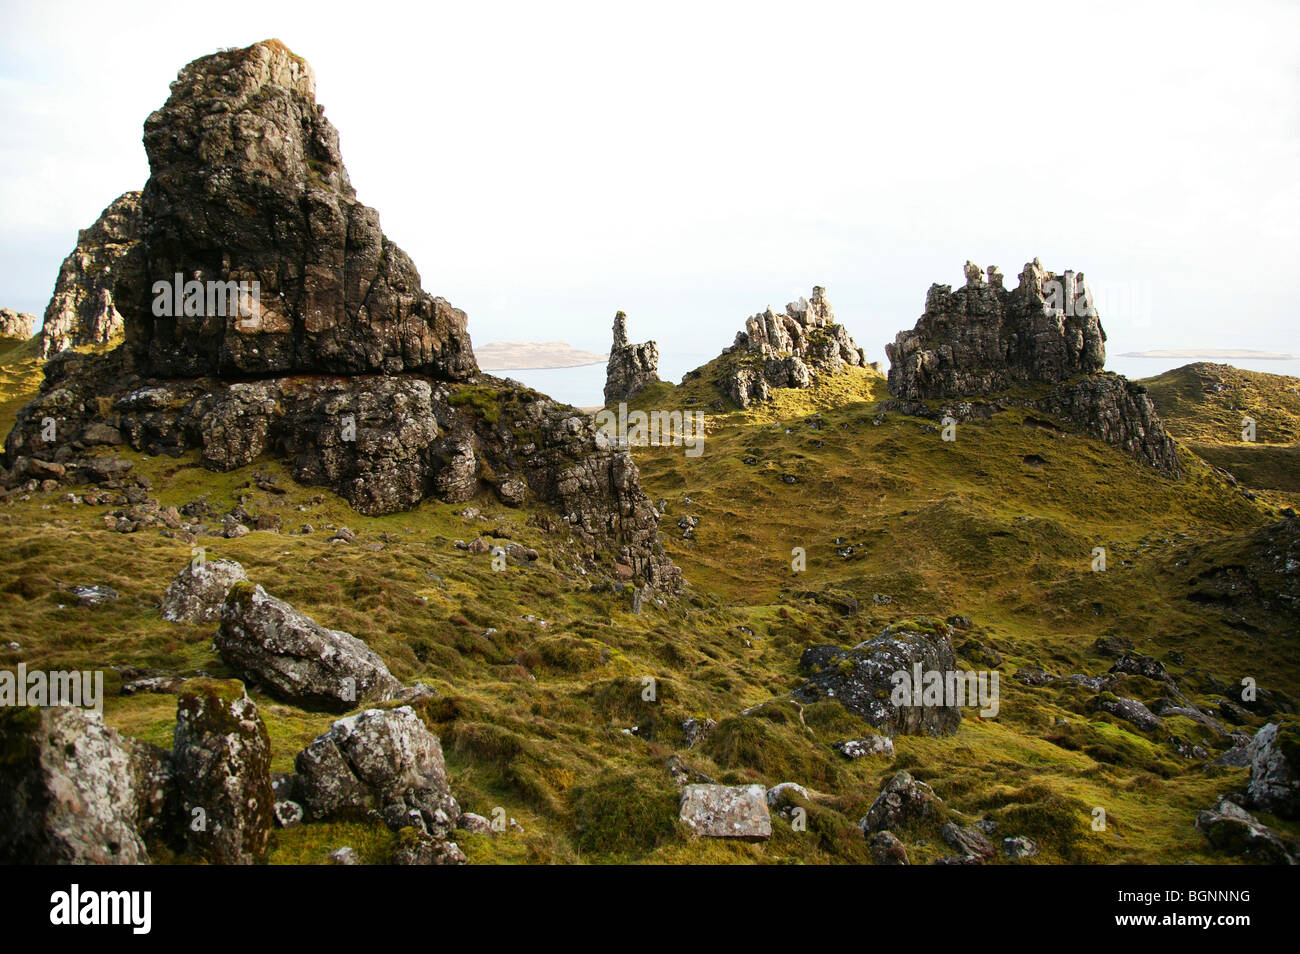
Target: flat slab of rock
726 811
296 659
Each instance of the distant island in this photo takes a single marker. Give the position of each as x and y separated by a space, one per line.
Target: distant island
530 355
1211 353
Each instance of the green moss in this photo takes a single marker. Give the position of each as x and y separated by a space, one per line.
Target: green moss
622 813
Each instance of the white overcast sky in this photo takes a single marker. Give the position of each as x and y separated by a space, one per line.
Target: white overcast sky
545 164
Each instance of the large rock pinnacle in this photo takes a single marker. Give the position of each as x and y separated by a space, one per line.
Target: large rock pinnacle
247 185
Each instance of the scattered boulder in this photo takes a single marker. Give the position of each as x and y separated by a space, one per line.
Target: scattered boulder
199 590
695 730
1232 829
381 760
631 367
970 843
68 790
221 759
1130 710
1019 847
344 856
474 823
726 811
886 849
266 640
871 745
901 801
861 678
417 847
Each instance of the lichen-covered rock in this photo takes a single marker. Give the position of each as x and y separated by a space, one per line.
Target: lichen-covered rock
1232 829
902 800
68 790
726 811
1118 411
1274 784
247 184
971 844
1130 710
416 847
16 325
98 281
861 678
381 760
631 366
871 745
199 590
267 641
788 350
221 761
886 849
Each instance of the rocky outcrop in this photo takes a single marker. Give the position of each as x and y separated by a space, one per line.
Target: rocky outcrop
631 366
726 811
984 340
267 641
221 759
199 590
68 790
786 350
380 760
339 361
16 325
247 185
862 680
86 307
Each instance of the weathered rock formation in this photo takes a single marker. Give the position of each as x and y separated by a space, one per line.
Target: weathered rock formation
16 325
726 811
861 679
335 358
85 308
267 641
984 340
787 350
631 366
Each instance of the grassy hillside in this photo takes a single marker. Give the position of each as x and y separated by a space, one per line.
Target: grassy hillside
1203 405
541 680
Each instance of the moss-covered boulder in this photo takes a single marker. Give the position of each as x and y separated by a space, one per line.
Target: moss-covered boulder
221 762
1274 755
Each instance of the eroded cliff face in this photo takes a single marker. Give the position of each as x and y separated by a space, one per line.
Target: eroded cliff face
265 313
983 341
